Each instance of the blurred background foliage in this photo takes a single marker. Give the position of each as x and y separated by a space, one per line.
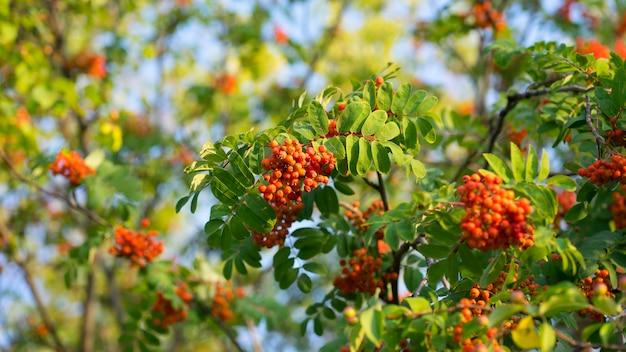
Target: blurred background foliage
136 86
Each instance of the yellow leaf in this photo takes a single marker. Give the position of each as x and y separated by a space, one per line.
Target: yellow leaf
525 335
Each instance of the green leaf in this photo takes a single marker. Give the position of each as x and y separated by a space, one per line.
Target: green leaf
222 192
315 268
228 269
517 162
384 97
531 164
607 331
418 168
493 269
409 131
547 336
398 155
427 130
606 305
304 283
240 169
412 278
256 213
388 132
288 278
307 232
375 122
181 203
365 159
498 166
352 149
213 226
576 213
544 168
194 202
401 98
353 117
227 180
563 182
417 304
318 118
326 201
369 93
562 299
380 155
373 323
343 188
415 100
503 312
428 103
335 146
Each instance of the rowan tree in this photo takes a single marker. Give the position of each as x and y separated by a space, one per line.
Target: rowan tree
284 175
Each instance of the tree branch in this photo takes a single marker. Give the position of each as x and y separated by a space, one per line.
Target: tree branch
86 328
382 191
512 101
496 125
228 332
594 130
397 260
585 345
43 312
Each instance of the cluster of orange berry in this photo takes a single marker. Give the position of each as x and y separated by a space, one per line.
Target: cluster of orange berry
618 208
605 171
471 308
359 218
141 248
616 137
592 46
70 165
285 216
226 83
566 200
361 273
224 294
291 170
88 62
517 136
485 16
332 128
164 312
493 218
38 328
599 285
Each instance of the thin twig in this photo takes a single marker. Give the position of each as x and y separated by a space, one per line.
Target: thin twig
575 343
347 206
370 183
383 191
256 343
43 312
512 101
86 328
397 260
497 124
594 130
228 332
